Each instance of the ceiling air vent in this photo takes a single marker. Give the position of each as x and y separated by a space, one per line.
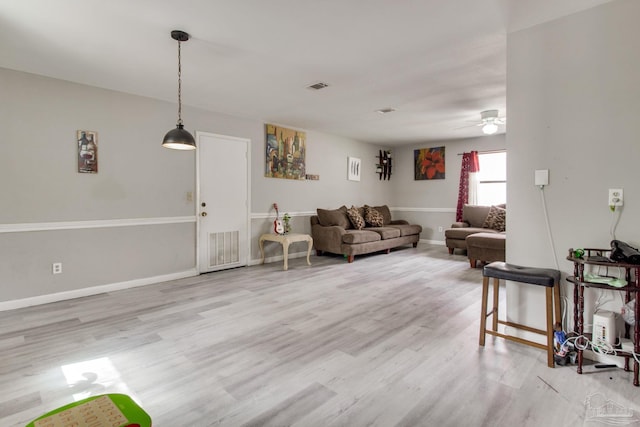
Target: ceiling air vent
317 86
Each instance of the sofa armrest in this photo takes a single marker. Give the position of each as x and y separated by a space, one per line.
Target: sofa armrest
460 225
399 222
327 238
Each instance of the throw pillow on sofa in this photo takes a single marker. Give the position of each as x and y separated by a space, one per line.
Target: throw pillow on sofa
496 219
385 212
356 219
337 217
373 217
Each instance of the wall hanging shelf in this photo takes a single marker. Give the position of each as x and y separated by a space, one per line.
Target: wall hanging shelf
383 168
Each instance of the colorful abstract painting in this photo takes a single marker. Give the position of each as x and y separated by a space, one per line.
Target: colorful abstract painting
429 163
285 153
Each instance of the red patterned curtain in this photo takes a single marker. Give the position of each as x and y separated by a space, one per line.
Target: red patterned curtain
470 164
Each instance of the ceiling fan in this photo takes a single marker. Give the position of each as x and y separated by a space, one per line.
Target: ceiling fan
489 121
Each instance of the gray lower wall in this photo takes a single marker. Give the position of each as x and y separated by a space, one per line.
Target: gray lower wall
301 224
92 257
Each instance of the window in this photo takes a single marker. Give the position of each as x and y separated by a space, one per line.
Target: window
492 178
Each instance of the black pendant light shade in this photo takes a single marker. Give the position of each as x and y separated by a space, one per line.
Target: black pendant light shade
179 138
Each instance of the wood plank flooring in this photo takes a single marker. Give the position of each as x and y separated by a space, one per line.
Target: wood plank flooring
389 340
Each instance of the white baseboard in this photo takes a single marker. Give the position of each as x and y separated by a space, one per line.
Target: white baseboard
84 292
433 242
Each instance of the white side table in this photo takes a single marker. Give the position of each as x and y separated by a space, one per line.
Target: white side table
285 240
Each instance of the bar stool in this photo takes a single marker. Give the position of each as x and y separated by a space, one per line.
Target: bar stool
546 277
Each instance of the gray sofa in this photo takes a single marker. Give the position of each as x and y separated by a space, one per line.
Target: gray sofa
488 243
333 232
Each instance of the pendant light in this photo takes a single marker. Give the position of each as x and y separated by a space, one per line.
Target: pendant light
179 138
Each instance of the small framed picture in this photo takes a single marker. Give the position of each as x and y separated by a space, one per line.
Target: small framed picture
87 151
353 171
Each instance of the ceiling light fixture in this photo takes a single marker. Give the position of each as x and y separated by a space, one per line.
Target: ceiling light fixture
179 138
490 128
490 121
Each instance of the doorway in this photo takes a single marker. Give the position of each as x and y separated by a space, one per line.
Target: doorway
223 201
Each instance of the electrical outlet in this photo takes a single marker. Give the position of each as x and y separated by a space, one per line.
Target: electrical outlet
56 268
616 197
189 196
440 229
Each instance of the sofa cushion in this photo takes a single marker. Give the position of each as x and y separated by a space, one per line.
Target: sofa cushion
496 219
487 240
360 236
356 219
372 217
386 214
462 233
407 229
337 217
386 232
475 215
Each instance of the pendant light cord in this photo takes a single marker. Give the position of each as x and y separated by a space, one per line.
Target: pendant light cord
179 85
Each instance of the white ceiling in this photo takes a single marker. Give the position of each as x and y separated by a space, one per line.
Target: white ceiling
438 63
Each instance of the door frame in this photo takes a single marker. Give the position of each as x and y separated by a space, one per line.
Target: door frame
247 142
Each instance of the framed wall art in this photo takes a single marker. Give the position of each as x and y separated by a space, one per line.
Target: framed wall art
353 169
285 152
429 163
87 151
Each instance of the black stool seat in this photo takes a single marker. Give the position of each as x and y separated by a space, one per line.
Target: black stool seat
534 276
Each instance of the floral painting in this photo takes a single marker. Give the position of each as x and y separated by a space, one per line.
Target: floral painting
285 153
428 163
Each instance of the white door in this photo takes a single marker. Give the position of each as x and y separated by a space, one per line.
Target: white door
222 201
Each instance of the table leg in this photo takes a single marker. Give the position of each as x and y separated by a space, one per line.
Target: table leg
261 244
636 334
483 310
580 341
496 290
285 252
310 242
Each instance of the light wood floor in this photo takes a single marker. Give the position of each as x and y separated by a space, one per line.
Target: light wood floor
390 340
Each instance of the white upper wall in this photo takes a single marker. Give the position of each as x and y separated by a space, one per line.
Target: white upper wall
574 99
438 193
527 13
573 102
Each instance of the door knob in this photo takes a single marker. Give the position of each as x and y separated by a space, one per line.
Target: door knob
203 214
